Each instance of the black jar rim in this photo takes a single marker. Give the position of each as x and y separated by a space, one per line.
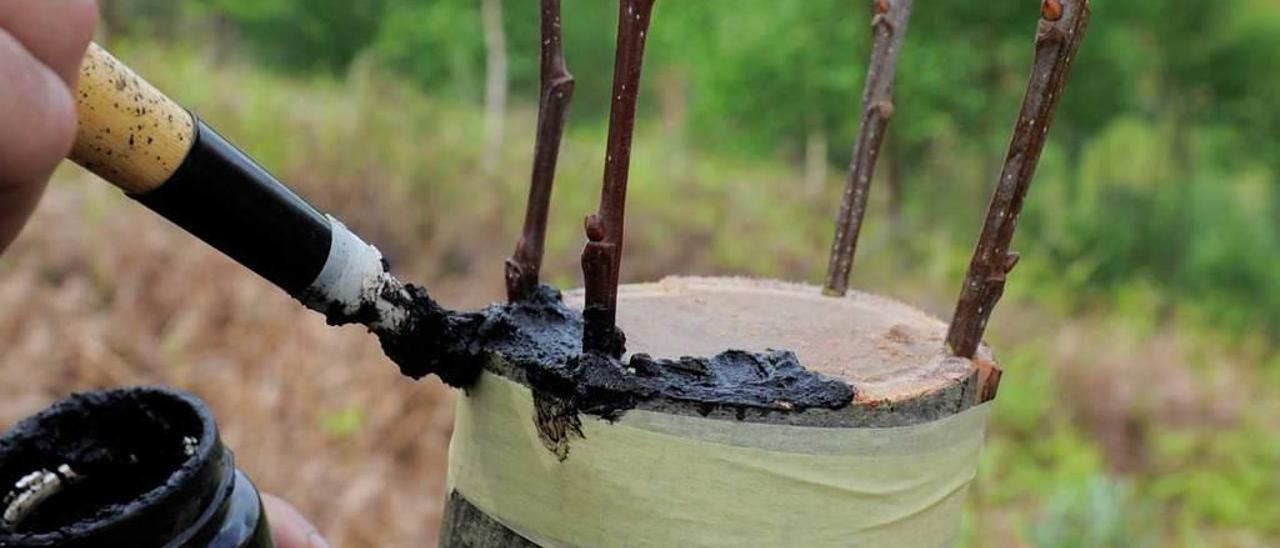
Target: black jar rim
180 497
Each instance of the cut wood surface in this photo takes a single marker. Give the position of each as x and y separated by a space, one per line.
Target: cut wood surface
888 351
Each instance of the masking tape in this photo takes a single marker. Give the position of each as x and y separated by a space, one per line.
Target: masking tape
653 479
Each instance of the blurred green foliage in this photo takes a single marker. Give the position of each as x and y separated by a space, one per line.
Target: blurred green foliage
1160 169
1096 514
310 35
1156 208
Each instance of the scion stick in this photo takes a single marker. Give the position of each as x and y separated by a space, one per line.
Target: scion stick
602 257
524 267
888 27
1058 36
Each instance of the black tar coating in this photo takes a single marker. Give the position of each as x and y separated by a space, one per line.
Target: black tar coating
544 337
127 448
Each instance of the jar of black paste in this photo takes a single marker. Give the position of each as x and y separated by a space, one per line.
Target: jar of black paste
133 467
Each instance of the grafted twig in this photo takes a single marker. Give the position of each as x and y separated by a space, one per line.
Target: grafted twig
1061 29
888 27
523 268
602 258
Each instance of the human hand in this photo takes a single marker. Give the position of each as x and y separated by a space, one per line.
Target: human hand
288 528
41 44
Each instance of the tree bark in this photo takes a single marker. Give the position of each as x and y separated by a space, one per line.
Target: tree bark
602 257
465 526
889 26
524 267
495 91
1058 36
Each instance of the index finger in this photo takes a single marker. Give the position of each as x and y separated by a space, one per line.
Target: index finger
55 31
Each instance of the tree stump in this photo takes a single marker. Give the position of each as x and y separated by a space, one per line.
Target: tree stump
892 354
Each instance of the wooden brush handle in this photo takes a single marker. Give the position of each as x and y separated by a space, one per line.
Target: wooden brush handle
129 132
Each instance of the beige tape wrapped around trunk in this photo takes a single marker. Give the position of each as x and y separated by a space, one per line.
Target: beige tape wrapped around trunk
653 479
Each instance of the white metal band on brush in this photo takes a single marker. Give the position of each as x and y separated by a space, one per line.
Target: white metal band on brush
353 277
653 479
352 263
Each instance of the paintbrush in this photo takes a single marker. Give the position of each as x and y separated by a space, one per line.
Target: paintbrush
167 159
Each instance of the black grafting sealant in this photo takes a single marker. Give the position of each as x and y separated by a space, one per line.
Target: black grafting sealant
543 336
135 467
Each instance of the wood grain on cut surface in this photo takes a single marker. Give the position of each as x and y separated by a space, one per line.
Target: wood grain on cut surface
887 350
129 132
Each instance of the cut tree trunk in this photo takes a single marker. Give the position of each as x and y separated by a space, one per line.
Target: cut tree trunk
893 355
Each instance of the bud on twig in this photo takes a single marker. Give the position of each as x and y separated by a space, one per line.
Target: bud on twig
523 268
602 258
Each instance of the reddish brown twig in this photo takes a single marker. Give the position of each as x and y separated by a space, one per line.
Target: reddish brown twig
602 258
888 27
523 268
1061 29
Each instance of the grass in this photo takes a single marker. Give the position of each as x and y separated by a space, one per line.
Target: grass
1118 424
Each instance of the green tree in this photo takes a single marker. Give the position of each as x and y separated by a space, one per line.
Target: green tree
312 35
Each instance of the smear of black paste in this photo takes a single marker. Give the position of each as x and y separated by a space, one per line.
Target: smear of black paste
543 336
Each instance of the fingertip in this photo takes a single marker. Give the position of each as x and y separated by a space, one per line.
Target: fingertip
314 540
82 21
39 110
289 529
82 18
59 121
56 32
85 16
62 115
